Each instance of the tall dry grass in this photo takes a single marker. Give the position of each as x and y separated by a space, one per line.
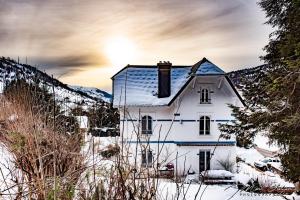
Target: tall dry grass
49 162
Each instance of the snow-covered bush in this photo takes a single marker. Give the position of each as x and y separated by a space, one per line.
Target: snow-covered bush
226 163
270 182
191 178
217 174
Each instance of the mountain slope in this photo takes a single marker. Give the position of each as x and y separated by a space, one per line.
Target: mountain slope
248 74
93 92
11 70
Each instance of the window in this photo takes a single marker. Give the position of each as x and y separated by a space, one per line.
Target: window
205 96
147 158
204 125
204 160
146 125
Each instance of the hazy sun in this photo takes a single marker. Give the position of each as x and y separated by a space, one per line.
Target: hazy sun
120 51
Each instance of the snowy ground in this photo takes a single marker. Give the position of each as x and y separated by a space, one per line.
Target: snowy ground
168 190
263 142
3 171
248 155
247 170
267 179
5 174
210 192
1 87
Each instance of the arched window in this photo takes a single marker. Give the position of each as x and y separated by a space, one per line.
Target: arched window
146 124
204 160
204 125
204 96
147 158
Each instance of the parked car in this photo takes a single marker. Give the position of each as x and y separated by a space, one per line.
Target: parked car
265 163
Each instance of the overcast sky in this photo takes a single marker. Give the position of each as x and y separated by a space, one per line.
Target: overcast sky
86 42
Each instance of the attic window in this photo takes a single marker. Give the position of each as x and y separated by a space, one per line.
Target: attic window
205 96
146 125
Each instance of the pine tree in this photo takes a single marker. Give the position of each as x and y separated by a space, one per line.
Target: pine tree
273 97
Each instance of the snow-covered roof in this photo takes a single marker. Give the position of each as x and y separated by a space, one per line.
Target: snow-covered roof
208 68
140 83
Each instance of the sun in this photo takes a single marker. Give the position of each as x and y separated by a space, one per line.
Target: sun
120 50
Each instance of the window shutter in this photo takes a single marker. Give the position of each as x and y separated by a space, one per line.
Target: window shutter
150 157
144 159
207 94
201 161
200 94
210 95
207 160
144 124
201 125
207 125
149 128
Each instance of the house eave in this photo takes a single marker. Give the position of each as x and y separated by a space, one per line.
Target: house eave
138 106
187 83
235 91
185 143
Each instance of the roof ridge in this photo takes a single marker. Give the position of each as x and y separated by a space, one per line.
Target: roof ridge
156 65
146 66
197 66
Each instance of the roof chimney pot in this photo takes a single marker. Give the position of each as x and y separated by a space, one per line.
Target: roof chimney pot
164 79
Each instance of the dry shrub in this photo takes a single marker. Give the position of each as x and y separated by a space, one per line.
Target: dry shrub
50 162
226 163
110 151
117 178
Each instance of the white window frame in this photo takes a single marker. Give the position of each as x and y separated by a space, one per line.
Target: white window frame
205 96
147 131
209 87
204 125
207 161
149 156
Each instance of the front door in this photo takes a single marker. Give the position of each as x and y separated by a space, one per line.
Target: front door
204 160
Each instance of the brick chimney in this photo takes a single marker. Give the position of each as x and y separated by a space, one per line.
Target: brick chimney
164 79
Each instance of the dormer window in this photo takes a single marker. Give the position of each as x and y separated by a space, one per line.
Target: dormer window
205 96
146 125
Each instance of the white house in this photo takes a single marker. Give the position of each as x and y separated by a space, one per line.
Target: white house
172 114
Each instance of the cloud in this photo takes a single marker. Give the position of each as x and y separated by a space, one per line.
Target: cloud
69 36
68 64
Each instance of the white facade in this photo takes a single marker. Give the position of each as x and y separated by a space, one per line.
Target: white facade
175 136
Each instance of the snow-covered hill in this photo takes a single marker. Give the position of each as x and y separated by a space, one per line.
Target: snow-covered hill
247 74
10 70
93 92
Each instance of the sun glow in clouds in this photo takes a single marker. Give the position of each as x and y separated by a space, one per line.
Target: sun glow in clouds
120 51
